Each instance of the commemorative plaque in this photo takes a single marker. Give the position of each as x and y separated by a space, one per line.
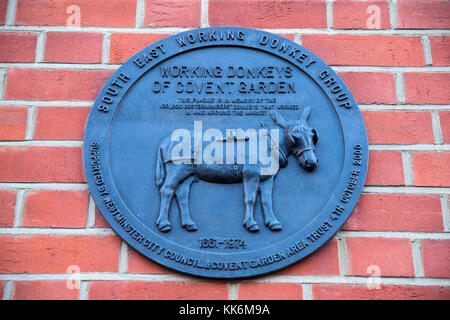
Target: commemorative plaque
225 152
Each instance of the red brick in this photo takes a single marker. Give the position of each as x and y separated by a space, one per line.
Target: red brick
2 288
361 85
426 88
54 254
440 50
55 208
60 123
385 168
3 7
125 45
44 290
355 15
322 262
53 84
78 47
17 46
444 117
173 13
268 14
287 36
7 203
367 50
41 164
392 256
131 290
13 123
138 263
269 291
396 212
100 222
101 13
431 168
402 127
423 14
436 258
386 292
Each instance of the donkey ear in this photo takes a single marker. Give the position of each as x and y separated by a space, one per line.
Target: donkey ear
315 136
278 118
305 114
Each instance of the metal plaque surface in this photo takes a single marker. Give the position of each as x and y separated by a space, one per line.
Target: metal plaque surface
225 152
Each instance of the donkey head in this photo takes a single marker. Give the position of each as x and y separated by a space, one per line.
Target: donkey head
300 138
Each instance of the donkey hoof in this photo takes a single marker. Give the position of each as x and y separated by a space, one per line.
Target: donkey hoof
191 227
251 225
253 228
275 227
165 228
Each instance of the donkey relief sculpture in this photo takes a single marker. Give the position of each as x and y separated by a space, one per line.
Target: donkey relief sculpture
174 178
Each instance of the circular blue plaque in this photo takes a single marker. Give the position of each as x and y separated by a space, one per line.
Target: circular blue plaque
225 152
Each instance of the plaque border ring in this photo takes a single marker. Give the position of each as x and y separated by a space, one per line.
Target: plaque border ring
152 243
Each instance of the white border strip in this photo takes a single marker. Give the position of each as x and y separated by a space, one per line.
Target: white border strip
105 276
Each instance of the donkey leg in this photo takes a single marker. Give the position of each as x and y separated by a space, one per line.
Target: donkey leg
175 175
266 191
163 222
251 186
182 195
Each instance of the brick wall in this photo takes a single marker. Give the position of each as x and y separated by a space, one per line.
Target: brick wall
50 74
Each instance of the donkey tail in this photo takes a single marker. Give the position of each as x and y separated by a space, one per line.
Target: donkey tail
160 170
